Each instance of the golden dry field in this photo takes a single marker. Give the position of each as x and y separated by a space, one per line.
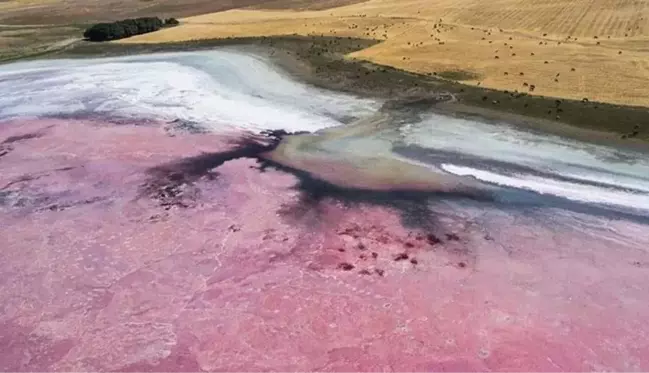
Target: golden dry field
574 49
27 41
56 12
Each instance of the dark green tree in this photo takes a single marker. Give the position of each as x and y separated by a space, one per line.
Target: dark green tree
123 29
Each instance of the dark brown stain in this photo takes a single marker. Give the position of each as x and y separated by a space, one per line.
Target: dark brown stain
400 257
27 136
432 239
345 266
452 237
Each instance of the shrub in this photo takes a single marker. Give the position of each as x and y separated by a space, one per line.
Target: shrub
122 29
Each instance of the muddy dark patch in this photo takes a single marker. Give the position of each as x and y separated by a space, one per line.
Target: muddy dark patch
100 119
172 184
412 204
27 136
184 126
452 237
432 239
6 197
30 177
400 257
29 201
5 149
67 205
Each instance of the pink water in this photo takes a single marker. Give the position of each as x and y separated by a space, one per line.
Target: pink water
95 274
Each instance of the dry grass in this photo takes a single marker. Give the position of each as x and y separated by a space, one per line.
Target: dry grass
496 40
17 42
21 12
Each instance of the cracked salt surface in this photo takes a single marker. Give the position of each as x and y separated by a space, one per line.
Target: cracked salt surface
222 90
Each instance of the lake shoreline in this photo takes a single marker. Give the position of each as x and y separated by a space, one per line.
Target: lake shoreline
321 62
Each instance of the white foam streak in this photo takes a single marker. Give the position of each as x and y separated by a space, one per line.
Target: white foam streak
542 152
572 191
599 174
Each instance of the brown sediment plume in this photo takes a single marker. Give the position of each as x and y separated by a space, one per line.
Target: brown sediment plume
373 168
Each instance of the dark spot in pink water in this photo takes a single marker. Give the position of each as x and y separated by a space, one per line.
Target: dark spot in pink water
432 239
5 149
17 138
452 237
400 257
346 266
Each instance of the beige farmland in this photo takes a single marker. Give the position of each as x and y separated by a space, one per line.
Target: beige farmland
580 48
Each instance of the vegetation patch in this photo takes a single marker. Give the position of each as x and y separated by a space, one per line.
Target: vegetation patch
458 75
126 28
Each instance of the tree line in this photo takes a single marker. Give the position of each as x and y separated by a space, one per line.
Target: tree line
126 28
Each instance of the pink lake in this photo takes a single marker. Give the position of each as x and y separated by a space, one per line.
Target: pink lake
233 268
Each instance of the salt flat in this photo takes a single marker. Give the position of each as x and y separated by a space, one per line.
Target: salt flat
218 89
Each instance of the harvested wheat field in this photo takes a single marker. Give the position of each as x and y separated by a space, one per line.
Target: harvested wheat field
22 12
597 49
